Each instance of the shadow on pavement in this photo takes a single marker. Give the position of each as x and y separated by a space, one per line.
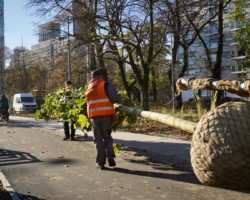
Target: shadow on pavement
80 138
174 154
61 161
9 157
16 123
183 177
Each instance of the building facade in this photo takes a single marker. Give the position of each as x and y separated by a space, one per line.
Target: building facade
48 31
2 60
232 57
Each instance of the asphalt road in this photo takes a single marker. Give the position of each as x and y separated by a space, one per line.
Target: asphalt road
40 165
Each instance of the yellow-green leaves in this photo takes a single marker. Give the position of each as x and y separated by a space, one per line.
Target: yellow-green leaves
68 106
83 120
116 148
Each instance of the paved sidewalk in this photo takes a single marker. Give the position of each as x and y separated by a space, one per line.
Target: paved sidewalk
176 150
166 150
38 165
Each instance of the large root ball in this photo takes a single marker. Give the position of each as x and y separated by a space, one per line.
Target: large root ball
220 149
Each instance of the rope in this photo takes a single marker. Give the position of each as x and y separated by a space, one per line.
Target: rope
203 84
221 145
232 86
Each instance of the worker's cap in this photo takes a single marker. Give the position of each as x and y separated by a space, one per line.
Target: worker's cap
95 73
68 82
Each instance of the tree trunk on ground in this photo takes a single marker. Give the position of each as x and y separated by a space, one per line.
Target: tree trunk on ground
184 125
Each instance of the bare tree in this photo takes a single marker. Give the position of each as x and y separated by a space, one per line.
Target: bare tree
187 21
129 29
18 78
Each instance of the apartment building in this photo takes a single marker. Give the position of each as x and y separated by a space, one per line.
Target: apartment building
49 31
232 67
2 61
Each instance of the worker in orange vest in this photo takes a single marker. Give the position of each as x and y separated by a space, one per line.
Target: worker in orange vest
101 97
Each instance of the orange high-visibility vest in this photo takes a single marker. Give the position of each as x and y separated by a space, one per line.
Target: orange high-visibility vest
98 103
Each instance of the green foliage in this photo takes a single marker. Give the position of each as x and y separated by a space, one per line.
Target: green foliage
242 36
70 106
199 105
122 118
116 148
214 99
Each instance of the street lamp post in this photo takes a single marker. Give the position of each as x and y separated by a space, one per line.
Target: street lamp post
2 77
51 59
69 63
172 73
173 83
2 69
87 64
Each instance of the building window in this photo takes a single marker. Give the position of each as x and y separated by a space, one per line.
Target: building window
233 68
239 24
191 61
227 38
191 72
241 53
203 57
212 45
213 37
206 30
196 44
227 10
180 61
213 57
236 68
213 29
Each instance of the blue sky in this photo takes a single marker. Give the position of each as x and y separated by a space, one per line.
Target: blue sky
19 24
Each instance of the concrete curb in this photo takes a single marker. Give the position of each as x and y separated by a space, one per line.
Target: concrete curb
8 187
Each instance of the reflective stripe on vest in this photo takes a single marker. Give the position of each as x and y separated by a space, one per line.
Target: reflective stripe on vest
98 103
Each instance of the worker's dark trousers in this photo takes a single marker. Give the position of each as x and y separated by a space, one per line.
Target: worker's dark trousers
103 140
66 130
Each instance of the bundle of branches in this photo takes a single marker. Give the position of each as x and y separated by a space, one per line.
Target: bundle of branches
71 106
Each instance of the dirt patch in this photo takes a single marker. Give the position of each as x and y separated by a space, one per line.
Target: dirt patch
148 127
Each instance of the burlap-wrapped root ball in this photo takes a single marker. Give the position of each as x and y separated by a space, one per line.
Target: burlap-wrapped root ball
220 149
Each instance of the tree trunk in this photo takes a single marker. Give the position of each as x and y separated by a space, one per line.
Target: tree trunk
153 82
144 93
184 125
216 72
124 79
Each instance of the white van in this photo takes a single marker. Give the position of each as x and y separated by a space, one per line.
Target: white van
24 102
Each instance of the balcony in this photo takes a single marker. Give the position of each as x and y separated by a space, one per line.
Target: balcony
189 2
210 33
237 70
238 58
